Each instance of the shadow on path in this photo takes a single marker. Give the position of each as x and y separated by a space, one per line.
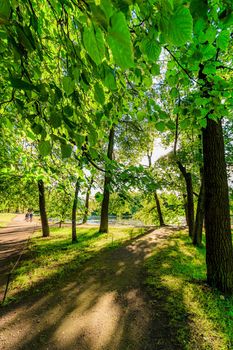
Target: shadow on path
104 306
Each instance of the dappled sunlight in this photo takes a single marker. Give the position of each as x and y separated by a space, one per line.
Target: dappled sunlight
102 307
172 269
98 324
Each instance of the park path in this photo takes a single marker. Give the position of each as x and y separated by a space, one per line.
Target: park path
104 306
13 240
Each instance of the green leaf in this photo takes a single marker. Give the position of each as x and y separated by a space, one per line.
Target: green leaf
203 122
223 39
99 197
21 84
66 150
109 79
179 28
119 41
55 120
155 69
208 52
5 10
210 68
174 92
106 6
68 85
99 94
160 126
151 48
94 43
44 148
210 35
184 124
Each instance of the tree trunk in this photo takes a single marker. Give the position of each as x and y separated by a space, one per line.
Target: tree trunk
87 200
197 234
42 206
219 251
74 211
186 209
190 203
107 180
160 215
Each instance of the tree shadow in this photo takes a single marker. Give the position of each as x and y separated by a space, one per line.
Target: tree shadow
106 306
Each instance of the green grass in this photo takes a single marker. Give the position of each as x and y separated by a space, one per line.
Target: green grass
202 317
5 219
51 260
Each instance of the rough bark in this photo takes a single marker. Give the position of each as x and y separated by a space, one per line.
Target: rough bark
219 251
197 234
42 206
107 180
74 211
87 200
160 215
190 203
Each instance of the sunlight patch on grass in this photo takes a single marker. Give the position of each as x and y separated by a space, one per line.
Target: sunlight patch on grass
176 276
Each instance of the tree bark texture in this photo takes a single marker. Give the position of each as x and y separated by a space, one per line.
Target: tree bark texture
74 211
219 251
197 234
190 203
87 200
42 206
159 211
107 180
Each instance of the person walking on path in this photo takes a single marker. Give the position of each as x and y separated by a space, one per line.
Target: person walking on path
31 215
27 216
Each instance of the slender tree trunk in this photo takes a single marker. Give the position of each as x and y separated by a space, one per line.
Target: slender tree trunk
42 206
74 211
186 209
87 200
190 203
158 207
160 215
219 251
107 180
197 234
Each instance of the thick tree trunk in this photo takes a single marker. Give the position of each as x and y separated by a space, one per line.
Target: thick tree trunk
42 206
74 211
190 203
107 180
87 200
197 234
160 215
219 251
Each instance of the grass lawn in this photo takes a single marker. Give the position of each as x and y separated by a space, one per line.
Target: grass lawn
203 318
51 260
5 219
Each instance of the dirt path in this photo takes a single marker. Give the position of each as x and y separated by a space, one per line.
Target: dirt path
12 240
103 307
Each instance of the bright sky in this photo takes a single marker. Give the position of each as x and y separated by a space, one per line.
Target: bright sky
158 151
